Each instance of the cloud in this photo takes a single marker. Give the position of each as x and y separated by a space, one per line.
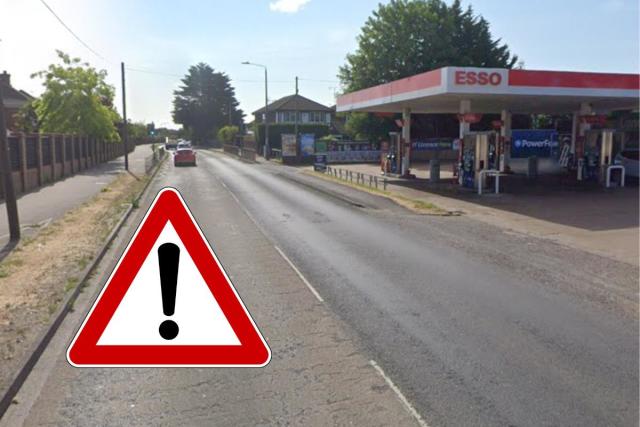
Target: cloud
287 6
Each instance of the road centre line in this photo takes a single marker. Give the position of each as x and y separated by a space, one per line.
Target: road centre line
282 254
409 407
304 280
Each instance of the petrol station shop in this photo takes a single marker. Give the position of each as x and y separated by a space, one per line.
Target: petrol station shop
586 152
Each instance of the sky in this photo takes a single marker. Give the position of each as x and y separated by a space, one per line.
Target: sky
304 38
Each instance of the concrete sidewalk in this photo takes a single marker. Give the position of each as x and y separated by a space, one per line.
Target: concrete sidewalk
39 207
603 222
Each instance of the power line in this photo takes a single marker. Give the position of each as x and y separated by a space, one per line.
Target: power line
71 31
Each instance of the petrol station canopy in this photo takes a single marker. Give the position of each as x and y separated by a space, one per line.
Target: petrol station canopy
492 90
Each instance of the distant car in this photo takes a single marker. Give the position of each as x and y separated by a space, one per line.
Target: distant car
184 144
629 159
170 146
184 156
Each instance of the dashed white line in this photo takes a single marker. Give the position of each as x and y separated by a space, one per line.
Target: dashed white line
408 406
304 280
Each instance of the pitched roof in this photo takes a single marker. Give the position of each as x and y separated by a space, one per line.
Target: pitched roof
294 102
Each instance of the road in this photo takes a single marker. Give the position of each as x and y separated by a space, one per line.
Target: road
52 201
475 325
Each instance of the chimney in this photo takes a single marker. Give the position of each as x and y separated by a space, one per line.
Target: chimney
5 78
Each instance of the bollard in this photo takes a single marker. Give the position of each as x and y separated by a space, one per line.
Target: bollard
370 181
375 179
384 184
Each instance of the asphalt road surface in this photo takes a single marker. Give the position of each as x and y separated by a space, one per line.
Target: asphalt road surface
475 325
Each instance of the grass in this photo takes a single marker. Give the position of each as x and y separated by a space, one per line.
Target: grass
416 205
72 282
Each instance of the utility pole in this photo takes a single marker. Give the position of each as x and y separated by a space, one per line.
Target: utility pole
125 130
267 147
267 151
295 106
7 179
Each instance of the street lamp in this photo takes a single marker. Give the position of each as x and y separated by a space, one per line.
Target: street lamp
267 148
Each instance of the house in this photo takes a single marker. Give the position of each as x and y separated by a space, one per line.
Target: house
13 99
283 111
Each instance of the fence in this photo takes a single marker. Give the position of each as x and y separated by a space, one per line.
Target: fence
242 152
361 178
39 159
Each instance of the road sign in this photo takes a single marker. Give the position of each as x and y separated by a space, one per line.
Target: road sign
168 302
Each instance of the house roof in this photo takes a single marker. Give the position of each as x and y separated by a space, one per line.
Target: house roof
13 98
294 102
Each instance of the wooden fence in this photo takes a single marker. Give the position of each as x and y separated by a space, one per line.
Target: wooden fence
39 159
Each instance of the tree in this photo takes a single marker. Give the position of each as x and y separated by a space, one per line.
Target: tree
76 99
205 102
26 119
408 37
227 134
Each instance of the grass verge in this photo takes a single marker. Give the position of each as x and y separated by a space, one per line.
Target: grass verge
36 276
415 205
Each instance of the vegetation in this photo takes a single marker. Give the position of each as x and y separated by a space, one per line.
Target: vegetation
76 99
227 134
205 102
407 37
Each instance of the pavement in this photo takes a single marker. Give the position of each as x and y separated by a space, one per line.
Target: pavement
603 222
39 207
401 319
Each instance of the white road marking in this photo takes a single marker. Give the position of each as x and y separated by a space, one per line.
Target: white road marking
246 211
409 407
306 282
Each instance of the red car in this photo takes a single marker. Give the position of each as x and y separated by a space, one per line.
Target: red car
184 157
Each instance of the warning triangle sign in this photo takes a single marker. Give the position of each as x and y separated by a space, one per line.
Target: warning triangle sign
168 302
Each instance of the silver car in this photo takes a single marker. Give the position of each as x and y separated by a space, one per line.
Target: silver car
629 159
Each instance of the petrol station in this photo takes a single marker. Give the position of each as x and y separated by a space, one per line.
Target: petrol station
471 92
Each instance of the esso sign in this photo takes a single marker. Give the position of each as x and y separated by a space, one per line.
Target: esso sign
478 78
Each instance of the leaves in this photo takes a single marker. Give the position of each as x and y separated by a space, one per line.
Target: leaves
407 37
76 100
205 102
227 134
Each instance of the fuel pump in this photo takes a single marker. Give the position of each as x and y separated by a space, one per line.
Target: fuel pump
394 154
482 156
478 151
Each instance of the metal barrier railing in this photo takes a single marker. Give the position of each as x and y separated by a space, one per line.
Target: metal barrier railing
361 178
489 172
608 178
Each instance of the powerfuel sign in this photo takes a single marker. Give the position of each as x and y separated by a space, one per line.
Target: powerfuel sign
472 79
534 142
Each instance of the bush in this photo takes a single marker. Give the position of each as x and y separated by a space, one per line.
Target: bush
227 134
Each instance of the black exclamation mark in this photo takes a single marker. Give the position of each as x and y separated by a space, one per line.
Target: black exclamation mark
168 258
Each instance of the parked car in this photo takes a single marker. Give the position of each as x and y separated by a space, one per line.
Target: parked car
184 156
629 159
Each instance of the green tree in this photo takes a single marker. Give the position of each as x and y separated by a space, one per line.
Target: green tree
26 119
76 99
205 102
368 126
408 37
227 134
